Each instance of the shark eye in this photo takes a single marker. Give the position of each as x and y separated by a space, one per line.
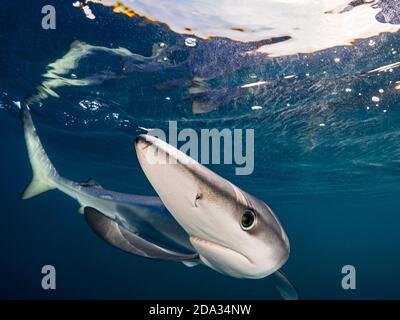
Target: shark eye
248 220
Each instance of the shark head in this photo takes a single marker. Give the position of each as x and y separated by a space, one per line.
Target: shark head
233 232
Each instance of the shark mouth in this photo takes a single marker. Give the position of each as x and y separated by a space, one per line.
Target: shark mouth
218 249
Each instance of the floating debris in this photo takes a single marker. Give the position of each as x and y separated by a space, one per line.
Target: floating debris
90 105
85 8
388 67
190 42
256 107
88 12
145 129
290 76
254 84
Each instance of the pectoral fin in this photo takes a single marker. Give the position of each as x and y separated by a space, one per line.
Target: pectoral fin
284 286
112 232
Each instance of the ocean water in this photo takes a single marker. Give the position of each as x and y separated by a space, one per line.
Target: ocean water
327 156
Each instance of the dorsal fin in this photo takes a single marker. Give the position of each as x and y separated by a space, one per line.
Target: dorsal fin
89 183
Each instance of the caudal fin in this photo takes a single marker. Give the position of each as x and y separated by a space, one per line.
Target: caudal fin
43 172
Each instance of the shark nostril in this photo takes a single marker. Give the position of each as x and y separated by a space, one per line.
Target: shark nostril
142 142
199 195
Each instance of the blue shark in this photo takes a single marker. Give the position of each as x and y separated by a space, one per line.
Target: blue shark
198 218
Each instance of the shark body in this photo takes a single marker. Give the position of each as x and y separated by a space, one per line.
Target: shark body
153 228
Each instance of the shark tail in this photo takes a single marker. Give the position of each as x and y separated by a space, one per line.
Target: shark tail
43 170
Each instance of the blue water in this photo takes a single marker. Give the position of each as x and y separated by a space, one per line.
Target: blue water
327 159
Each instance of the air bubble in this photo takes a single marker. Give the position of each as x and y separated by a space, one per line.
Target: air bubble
190 42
